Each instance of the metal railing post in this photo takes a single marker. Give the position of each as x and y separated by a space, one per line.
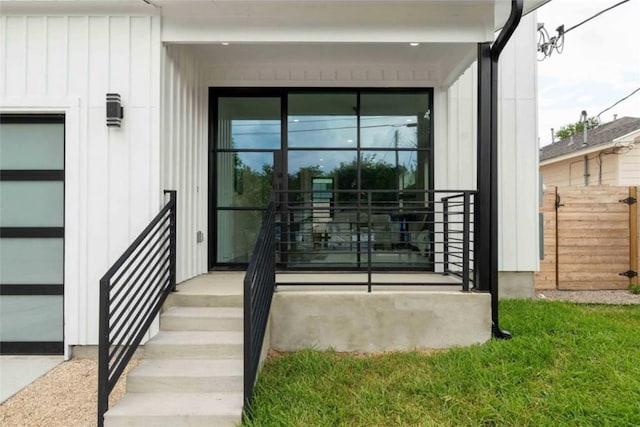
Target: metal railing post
445 235
173 199
465 243
103 353
248 339
369 242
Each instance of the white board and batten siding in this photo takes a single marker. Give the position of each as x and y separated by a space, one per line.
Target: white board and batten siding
184 151
518 146
518 151
67 64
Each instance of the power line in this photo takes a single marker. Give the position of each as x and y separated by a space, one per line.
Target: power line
548 44
300 122
319 129
617 102
596 15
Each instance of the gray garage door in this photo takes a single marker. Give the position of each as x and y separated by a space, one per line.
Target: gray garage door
31 233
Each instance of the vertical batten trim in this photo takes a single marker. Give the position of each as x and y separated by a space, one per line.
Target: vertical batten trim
131 231
25 35
67 48
3 40
83 302
46 54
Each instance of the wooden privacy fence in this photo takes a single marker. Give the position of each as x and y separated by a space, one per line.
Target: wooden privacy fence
590 238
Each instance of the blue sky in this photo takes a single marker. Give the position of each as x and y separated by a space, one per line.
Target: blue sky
600 63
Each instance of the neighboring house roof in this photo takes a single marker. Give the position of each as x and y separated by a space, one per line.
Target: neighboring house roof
601 135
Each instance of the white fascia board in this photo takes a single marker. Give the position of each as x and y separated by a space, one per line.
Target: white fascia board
578 153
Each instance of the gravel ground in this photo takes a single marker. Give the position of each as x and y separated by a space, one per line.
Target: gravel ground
64 397
592 297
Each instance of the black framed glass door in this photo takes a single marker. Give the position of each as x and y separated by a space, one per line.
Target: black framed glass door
247 132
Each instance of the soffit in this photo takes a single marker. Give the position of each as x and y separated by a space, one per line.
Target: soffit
442 62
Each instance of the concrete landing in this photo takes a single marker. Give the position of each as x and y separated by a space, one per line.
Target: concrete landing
390 278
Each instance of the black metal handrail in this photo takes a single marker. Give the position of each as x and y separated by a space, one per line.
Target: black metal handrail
259 285
378 230
131 294
460 248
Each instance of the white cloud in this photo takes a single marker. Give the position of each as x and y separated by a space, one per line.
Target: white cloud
600 63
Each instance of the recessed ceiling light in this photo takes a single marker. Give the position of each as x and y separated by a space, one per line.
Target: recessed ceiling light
225 43
414 44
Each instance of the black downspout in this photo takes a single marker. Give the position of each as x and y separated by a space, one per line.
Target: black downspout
488 162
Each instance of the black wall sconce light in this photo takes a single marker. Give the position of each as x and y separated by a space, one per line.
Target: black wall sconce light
114 110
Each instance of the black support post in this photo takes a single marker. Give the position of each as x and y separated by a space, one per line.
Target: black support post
487 242
482 242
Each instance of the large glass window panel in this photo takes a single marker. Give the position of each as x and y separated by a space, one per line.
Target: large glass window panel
394 170
31 146
31 260
31 318
322 120
245 122
237 233
31 204
340 166
394 120
244 179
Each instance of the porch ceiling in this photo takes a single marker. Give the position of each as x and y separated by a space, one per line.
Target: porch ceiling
442 62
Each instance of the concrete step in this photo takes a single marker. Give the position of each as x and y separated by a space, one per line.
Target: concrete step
195 345
197 299
201 319
176 410
186 376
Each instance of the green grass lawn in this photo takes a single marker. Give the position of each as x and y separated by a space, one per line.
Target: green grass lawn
567 364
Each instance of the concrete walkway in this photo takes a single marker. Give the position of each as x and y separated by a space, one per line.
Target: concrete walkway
17 372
